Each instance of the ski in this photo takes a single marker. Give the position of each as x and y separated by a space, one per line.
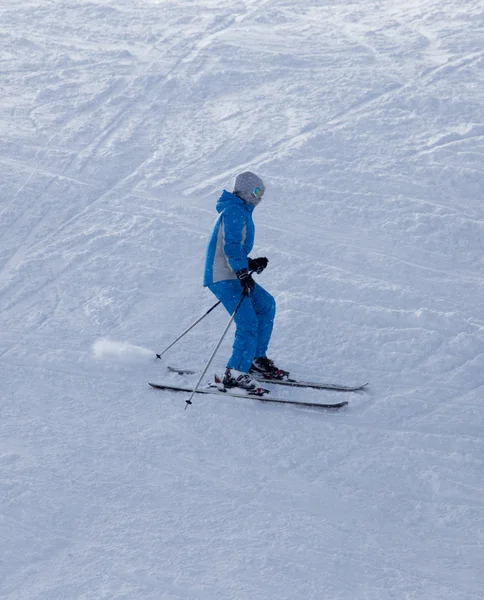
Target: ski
335 387
221 391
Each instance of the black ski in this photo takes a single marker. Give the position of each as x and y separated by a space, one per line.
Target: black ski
335 387
217 391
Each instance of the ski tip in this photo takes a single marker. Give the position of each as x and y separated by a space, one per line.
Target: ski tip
339 405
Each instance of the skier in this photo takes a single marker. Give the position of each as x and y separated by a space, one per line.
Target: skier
228 275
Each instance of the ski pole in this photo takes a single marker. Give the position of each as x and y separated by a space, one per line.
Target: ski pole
188 329
189 401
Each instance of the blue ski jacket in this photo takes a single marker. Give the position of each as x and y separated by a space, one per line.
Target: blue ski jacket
231 239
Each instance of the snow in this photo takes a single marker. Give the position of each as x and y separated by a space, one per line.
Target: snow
120 124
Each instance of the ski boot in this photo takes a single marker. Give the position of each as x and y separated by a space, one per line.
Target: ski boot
238 379
266 368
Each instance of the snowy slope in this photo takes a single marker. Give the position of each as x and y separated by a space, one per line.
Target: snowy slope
120 124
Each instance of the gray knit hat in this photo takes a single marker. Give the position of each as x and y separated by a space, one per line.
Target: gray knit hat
249 187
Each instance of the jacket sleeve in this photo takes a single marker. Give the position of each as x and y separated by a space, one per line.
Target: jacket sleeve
234 232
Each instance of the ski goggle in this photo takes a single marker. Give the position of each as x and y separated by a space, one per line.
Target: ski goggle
258 193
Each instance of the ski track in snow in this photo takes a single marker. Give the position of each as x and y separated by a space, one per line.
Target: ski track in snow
120 123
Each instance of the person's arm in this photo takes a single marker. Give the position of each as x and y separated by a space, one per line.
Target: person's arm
234 237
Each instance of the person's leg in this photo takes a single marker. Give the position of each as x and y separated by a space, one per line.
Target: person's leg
265 309
246 321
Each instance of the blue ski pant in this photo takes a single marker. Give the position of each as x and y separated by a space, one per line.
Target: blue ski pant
254 321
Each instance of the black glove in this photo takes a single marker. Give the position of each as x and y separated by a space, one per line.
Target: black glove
246 280
258 264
